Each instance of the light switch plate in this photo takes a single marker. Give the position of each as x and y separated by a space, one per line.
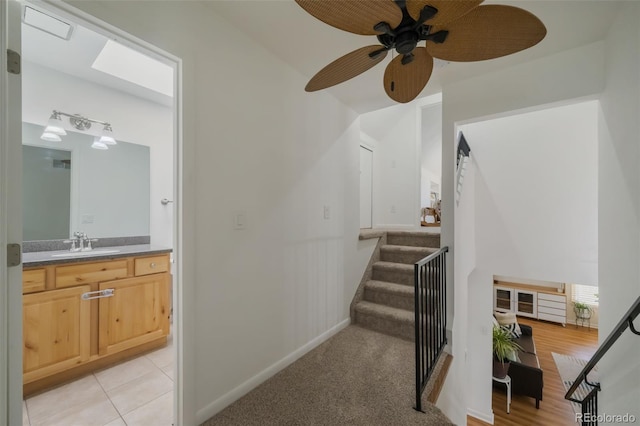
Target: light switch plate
327 212
239 219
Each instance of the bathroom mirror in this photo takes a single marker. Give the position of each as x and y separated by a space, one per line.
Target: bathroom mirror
69 186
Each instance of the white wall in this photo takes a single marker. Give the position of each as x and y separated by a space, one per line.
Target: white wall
557 78
536 193
395 171
133 119
619 207
254 141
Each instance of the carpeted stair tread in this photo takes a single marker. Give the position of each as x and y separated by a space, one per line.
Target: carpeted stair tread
413 238
392 288
386 319
405 254
409 249
390 294
393 266
399 273
386 312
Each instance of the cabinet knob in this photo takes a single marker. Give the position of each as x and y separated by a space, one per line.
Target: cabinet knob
152 264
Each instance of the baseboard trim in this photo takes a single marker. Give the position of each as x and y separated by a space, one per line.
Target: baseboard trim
487 418
227 399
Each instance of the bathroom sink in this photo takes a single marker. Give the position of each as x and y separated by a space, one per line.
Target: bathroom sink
85 253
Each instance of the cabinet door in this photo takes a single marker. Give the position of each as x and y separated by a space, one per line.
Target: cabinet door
526 303
55 331
503 299
137 313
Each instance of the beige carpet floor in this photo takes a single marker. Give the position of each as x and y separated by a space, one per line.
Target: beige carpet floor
358 377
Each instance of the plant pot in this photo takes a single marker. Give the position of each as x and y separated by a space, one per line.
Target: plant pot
500 369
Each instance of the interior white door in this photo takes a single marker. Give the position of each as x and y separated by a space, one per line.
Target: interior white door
10 215
366 187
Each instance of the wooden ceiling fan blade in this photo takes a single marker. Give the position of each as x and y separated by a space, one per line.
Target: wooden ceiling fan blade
404 82
448 10
346 67
488 32
354 16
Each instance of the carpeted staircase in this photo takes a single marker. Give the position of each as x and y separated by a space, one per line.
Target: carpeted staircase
386 304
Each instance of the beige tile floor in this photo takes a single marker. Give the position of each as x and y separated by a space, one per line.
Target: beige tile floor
138 392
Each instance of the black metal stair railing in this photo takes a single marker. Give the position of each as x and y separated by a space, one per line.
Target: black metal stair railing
430 316
589 403
463 149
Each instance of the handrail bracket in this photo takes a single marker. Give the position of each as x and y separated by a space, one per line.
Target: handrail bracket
632 328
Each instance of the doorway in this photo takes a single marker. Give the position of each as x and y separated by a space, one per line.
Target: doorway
430 164
36 76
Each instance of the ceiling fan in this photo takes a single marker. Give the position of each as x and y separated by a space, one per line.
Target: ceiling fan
453 30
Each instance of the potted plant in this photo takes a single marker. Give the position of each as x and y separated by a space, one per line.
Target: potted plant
504 350
582 310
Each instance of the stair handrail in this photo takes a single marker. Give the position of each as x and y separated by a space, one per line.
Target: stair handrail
463 149
625 322
462 157
434 269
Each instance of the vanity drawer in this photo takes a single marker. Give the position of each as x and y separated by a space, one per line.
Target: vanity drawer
151 265
84 273
33 280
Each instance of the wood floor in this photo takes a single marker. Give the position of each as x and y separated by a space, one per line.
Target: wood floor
554 409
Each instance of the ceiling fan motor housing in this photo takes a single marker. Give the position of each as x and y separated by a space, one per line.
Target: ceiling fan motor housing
406 41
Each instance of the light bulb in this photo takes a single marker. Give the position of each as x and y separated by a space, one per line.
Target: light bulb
99 145
51 137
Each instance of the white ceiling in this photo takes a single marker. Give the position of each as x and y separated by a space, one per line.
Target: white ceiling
75 57
307 45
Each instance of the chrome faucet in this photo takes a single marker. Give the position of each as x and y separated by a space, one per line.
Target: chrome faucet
80 242
76 241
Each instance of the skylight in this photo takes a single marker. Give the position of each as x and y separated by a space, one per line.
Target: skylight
135 67
47 23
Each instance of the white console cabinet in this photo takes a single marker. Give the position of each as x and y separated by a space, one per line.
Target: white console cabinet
530 301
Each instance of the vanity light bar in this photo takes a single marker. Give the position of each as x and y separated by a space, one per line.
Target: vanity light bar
54 130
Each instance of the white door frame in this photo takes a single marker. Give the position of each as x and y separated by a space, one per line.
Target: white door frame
10 220
11 389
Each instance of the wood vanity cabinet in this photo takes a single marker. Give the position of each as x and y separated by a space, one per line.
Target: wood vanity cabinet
55 331
67 335
137 313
